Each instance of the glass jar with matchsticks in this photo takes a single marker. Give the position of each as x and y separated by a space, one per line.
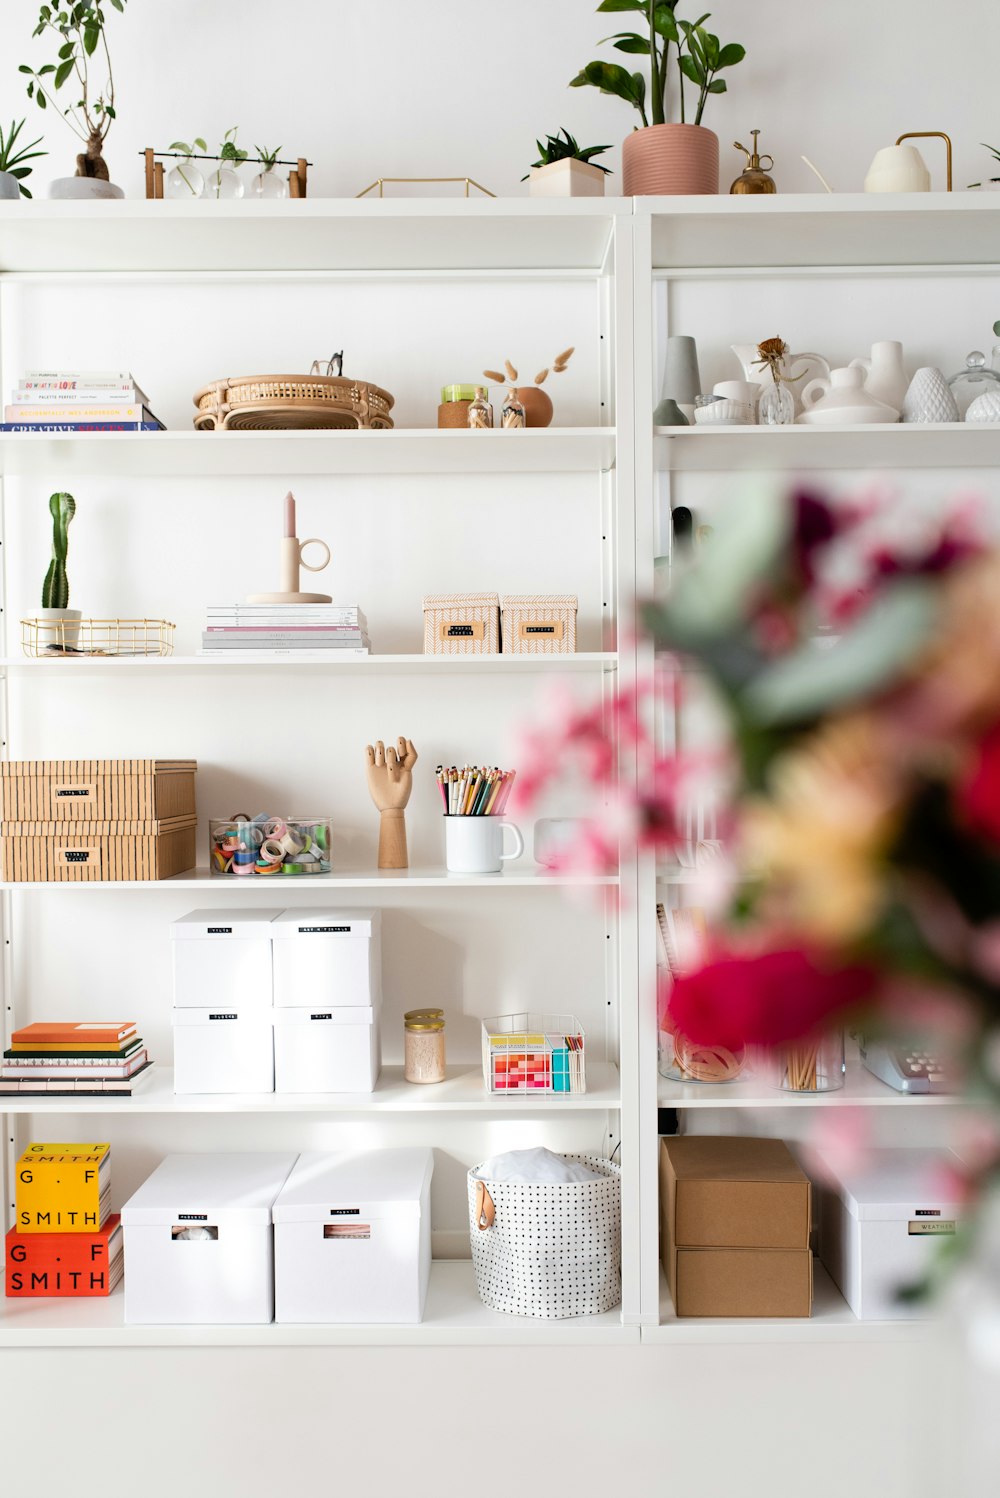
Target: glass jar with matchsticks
814 1065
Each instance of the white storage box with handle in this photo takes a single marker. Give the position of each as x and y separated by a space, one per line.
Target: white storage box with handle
223 1050
550 1251
327 958
199 1244
879 1226
222 958
326 1050
352 1238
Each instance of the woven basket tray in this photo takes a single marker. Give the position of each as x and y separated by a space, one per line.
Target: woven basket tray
291 402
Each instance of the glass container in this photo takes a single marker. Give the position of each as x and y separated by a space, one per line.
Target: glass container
265 845
777 405
224 182
512 416
184 180
480 411
268 184
423 1046
810 1066
709 1065
974 380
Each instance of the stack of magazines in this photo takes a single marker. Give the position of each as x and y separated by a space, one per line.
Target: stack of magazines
74 400
280 631
68 1059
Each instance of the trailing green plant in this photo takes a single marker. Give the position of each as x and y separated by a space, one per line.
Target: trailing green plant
189 148
80 29
996 157
699 57
229 150
55 589
564 147
12 160
267 158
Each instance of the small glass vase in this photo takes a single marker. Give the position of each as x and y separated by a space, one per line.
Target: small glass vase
267 184
225 182
184 180
777 405
810 1066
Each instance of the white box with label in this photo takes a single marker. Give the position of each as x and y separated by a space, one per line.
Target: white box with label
326 1050
222 958
199 1244
223 1050
327 959
880 1226
352 1238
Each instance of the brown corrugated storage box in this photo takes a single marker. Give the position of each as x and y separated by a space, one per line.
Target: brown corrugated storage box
735 1216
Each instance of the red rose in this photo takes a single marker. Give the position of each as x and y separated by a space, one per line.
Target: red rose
978 793
765 1000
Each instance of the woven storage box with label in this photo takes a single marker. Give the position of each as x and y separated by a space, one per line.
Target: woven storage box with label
551 1250
97 790
80 851
539 625
462 624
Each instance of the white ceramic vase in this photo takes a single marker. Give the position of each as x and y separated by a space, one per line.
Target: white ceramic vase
898 169
567 178
794 369
985 409
87 188
842 400
885 376
58 627
9 186
929 398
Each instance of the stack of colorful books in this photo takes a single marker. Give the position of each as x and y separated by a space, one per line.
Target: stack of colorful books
66 1240
66 1059
74 400
276 631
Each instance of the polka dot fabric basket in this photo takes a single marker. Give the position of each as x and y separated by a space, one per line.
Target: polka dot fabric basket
549 1251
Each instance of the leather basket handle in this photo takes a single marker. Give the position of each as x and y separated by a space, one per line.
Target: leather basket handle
485 1210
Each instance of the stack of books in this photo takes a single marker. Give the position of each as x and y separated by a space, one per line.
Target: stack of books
66 1240
277 631
74 400
66 1059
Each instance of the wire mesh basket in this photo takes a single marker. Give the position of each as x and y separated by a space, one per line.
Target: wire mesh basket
71 638
533 1054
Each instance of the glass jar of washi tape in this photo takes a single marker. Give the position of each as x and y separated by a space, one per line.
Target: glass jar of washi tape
259 847
423 1041
710 1065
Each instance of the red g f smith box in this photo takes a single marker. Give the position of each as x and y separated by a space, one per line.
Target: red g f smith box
69 1264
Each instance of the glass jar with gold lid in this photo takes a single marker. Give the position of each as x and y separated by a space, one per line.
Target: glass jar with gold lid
423 1046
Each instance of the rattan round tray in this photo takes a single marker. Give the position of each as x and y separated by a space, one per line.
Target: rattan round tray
291 402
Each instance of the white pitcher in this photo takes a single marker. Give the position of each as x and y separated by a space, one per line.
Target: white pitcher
793 366
885 375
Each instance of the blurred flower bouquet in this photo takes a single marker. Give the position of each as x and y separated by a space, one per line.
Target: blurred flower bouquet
854 648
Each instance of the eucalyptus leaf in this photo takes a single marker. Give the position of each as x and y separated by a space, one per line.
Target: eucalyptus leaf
868 657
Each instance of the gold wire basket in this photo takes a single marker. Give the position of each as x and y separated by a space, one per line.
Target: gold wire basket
72 638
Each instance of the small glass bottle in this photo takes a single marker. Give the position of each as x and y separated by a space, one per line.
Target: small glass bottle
184 180
481 412
512 415
777 405
423 1041
269 184
809 1066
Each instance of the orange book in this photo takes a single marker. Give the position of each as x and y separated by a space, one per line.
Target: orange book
68 1033
65 1264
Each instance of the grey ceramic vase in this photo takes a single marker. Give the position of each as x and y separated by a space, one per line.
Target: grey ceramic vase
681 378
669 414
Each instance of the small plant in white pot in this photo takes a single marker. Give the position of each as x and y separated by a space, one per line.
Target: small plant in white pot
565 170
12 161
59 625
82 53
659 156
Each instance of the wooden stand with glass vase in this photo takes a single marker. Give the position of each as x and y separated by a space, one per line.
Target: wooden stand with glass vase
186 180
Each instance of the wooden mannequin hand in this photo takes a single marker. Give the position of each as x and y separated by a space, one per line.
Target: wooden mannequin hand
390 774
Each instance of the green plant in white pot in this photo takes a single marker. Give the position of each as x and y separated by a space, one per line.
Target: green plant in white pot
661 155
565 169
59 625
12 161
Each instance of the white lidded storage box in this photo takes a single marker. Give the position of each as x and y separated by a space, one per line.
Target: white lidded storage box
223 1050
326 959
462 624
880 1225
539 624
199 1244
222 958
326 1050
352 1238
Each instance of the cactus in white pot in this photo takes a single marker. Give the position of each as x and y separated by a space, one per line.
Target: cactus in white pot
59 624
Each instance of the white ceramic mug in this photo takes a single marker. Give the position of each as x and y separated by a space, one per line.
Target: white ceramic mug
474 845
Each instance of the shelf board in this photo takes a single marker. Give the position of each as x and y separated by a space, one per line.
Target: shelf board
823 229
366 236
454 1316
799 448
379 665
404 451
860 1090
463 1092
531 876
832 1320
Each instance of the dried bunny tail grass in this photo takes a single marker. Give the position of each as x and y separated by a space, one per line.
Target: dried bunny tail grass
561 360
508 366
494 376
541 378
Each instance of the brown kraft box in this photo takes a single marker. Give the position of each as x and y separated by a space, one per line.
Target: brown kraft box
736 1218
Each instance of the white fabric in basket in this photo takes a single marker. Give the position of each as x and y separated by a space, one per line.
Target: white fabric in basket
534 1167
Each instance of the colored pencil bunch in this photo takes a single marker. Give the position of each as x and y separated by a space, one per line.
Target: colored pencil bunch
474 792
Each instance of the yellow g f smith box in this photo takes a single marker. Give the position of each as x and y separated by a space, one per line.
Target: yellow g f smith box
63 1188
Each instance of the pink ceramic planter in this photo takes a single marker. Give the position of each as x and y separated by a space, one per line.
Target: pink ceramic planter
670 159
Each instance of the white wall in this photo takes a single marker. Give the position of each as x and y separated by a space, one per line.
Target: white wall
448 87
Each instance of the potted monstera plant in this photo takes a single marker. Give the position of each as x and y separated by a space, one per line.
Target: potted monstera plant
664 155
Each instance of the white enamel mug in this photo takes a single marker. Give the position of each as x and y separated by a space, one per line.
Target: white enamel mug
474 845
